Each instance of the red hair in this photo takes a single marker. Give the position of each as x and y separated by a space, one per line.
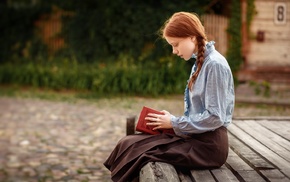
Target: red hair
183 25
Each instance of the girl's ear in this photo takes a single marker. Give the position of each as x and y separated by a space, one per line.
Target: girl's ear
193 39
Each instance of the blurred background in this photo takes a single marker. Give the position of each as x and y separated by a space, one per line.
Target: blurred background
114 47
71 72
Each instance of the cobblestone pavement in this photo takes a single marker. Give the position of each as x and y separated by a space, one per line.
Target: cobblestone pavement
61 141
43 141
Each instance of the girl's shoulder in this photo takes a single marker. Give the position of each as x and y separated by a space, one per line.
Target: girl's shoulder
216 60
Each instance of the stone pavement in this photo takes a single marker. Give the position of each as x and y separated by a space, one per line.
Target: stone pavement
46 141
52 141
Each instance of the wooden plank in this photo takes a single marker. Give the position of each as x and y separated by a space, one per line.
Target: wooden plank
274 137
275 175
257 153
216 29
255 160
250 176
202 175
260 148
130 123
242 168
236 162
224 174
184 177
159 172
281 128
262 135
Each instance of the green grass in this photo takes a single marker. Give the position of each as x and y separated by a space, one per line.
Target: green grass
30 92
64 94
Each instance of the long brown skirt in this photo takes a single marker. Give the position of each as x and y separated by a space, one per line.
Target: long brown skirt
206 150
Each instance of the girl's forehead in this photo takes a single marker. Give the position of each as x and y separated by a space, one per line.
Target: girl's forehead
172 40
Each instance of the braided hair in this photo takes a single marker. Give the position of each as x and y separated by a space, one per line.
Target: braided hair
183 25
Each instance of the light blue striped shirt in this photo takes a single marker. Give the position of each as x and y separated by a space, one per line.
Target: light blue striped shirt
210 104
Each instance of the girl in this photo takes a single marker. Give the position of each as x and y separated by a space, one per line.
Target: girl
200 139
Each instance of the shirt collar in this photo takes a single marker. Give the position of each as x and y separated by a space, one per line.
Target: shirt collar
209 47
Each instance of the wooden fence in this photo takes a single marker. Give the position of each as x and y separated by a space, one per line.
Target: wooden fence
50 28
216 29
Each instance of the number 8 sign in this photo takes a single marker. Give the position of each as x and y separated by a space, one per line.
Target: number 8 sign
280 13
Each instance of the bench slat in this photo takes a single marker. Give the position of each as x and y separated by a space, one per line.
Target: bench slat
184 177
247 153
250 176
224 174
261 149
265 136
242 169
275 175
202 175
280 128
158 172
236 162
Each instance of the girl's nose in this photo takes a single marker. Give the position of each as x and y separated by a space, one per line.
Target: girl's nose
174 51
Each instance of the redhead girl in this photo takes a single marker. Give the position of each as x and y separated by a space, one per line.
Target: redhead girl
200 140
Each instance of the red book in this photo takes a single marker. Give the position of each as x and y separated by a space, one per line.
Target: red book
141 124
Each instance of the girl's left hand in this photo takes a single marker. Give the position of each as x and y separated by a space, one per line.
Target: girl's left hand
160 121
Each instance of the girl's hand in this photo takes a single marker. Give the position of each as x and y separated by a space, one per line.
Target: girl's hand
160 121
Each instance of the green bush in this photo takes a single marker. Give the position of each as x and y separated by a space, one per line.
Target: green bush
110 46
169 77
234 53
92 30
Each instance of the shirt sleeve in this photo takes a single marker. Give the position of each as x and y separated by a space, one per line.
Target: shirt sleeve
214 104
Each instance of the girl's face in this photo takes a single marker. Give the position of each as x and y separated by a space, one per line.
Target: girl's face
183 47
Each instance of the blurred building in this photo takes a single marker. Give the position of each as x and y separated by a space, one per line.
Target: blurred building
266 43
266 47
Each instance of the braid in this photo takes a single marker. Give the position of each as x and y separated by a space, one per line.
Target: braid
200 59
184 25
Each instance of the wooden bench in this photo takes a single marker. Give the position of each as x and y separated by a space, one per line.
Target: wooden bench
259 151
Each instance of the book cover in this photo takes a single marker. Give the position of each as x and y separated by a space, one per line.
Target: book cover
141 124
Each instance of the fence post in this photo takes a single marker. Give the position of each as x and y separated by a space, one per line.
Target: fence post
130 125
